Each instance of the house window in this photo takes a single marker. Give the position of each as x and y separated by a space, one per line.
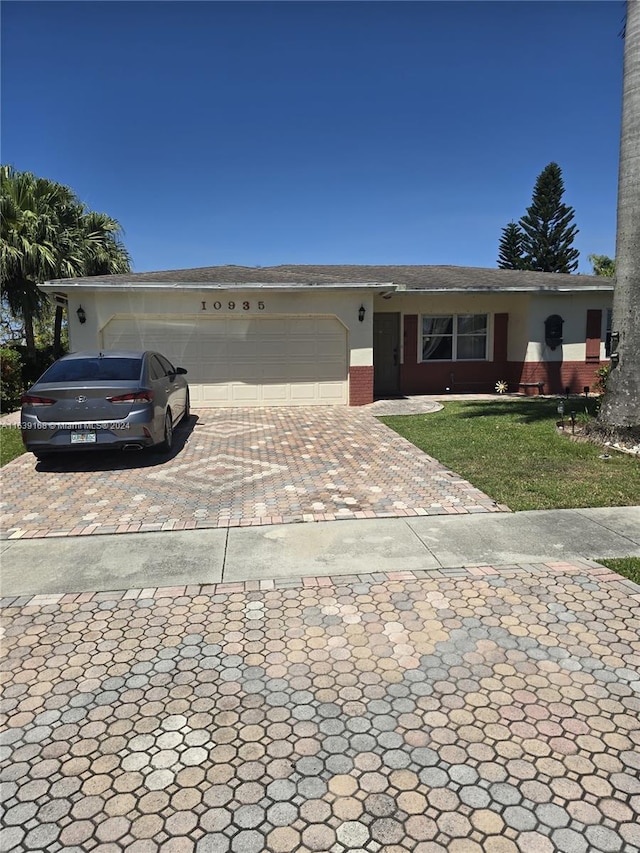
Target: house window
607 337
455 337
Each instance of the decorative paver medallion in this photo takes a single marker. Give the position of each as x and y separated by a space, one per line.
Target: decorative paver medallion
484 710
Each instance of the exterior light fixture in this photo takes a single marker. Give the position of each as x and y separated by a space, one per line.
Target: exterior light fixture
361 313
82 315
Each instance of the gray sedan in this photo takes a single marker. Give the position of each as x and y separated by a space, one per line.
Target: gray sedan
105 401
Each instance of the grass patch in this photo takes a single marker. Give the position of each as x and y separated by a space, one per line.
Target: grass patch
510 450
627 566
11 444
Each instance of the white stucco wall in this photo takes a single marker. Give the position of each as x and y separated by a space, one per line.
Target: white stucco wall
527 313
573 310
102 306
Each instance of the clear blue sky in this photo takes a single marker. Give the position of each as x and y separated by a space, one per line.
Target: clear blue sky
304 132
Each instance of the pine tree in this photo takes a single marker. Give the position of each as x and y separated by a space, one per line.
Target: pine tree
548 230
511 248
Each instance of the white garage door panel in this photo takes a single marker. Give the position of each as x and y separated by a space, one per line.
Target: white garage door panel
262 361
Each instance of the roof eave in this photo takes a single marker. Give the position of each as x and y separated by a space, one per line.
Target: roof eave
513 289
64 285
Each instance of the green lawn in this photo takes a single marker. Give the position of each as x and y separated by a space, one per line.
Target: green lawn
10 444
627 566
510 450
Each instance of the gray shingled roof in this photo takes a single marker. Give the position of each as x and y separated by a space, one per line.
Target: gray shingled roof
403 277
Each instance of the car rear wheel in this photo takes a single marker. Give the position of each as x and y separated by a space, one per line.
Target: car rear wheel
165 445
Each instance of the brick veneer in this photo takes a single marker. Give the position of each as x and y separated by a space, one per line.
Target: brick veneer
557 375
481 376
360 385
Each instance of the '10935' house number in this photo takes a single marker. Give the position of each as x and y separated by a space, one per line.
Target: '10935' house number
231 305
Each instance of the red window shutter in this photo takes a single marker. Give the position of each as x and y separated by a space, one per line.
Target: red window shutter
500 336
410 338
594 328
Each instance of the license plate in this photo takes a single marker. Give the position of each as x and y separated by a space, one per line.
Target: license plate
83 438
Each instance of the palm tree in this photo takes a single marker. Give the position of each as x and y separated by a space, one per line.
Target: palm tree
91 245
48 233
29 208
620 411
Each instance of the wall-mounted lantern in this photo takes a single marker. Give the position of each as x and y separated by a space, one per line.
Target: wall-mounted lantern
614 355
82 315
553 331
361 313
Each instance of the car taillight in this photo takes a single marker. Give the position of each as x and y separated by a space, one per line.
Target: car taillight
133 397
30 400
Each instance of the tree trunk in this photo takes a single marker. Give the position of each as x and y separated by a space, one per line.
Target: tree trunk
29 337
620 411
57 332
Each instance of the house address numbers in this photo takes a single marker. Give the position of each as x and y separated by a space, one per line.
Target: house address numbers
231 305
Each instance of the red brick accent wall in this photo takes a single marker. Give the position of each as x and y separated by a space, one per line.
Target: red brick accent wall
481 376
360 385
435 377
557 375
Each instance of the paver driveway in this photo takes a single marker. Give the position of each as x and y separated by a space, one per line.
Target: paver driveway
477 711
238 466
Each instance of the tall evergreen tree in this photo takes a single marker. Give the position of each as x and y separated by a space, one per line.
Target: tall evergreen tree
510 249
547 226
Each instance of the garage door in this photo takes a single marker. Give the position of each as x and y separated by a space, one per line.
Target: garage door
245 361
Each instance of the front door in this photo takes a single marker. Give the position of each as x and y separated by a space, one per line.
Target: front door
386 355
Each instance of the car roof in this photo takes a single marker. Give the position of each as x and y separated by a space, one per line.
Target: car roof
114 353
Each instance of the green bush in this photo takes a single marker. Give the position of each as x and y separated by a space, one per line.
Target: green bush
602 374
11 384
34 365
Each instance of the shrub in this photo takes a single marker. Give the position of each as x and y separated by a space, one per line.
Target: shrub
34 365
602 374
11 384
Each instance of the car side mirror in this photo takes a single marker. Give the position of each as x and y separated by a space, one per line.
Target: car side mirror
181 371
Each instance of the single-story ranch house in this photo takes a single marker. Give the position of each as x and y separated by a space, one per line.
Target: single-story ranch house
335 335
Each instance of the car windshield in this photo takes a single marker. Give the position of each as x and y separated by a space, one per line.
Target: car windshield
94 370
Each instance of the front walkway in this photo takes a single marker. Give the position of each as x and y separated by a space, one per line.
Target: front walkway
487 711
236 467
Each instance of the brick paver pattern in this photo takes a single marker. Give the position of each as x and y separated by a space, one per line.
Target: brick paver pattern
462 710
235 467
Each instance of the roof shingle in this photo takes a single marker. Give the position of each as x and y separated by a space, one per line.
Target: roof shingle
414 277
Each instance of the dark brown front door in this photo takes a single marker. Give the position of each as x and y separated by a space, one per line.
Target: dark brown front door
386 355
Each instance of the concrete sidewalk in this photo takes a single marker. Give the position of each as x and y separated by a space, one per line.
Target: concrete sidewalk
196 557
